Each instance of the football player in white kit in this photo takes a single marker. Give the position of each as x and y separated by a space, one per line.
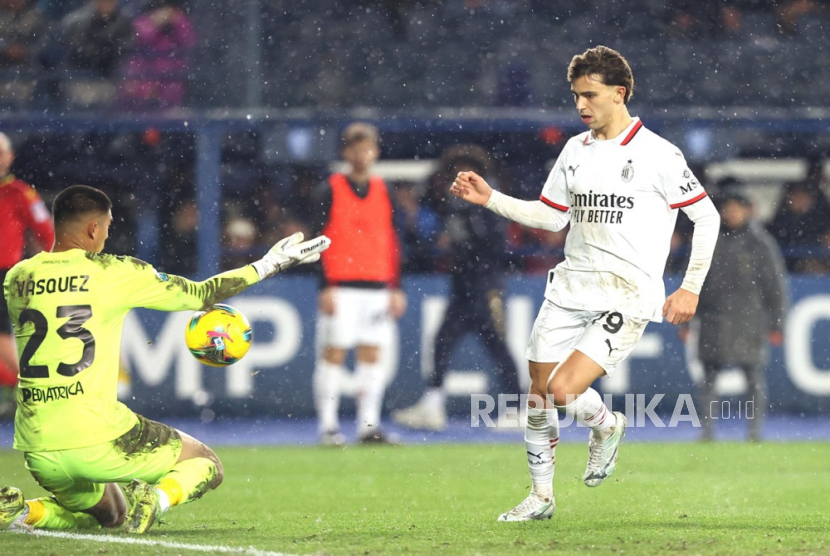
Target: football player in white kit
619 186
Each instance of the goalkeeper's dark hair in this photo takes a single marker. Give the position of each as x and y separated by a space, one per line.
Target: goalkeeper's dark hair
79 200
606 64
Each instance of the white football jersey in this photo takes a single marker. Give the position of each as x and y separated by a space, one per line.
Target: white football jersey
622 196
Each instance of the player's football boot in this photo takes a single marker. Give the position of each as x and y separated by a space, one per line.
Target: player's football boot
533 507
602 453
145 510
333 438
378 436
12 505
422 417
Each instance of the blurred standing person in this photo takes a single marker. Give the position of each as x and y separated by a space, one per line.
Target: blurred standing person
360 297
742 307
418 226
97 37
21 31
22 210
156 72
477 241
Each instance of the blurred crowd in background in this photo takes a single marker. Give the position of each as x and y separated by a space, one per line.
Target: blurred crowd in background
67 56
141 54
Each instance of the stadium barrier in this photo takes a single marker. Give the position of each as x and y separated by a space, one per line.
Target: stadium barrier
274 379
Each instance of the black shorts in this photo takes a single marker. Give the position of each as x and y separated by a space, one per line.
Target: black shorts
5 319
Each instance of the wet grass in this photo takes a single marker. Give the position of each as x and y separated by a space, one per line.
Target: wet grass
727 498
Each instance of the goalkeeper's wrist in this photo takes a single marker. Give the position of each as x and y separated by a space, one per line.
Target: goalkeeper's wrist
265 269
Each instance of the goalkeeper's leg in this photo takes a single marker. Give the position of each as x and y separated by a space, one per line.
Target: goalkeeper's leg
48 513
197 472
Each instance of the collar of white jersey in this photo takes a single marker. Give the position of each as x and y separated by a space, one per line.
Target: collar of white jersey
623 138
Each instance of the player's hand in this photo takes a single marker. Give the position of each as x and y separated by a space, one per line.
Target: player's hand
680 306
326 301
289 252
471 187
397 304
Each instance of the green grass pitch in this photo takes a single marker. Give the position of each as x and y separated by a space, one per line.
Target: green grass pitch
728 498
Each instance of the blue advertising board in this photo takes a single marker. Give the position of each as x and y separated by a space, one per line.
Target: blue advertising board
275 378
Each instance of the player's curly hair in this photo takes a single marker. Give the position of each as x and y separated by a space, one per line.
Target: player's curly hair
606 63
79 200
473 156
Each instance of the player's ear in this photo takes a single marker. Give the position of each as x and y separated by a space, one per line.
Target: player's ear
92 229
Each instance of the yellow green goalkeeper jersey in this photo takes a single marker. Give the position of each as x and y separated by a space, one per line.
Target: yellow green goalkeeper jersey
68 310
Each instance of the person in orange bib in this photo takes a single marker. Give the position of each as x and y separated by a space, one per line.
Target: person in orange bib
360 298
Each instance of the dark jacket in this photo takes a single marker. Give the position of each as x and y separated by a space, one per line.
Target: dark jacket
94 43
477 250
743 299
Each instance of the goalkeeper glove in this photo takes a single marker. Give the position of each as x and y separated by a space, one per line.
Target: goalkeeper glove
289 252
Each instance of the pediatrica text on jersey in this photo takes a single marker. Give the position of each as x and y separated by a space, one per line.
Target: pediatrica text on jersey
52 285
44 395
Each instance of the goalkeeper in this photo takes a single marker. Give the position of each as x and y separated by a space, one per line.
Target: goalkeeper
68 308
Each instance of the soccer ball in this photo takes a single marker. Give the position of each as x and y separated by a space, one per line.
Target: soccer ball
218 337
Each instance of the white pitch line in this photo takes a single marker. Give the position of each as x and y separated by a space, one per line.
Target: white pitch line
147 542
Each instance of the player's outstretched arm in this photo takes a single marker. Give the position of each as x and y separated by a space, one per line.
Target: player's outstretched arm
155 290
289 252
473 188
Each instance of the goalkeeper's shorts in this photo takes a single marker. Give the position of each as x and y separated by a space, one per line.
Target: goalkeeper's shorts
76 478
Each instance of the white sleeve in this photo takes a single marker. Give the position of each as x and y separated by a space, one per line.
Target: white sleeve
535 214
555 191
707 228
680 186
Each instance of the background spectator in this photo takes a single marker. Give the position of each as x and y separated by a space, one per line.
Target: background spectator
418 227
240 240
22 211
477 262
742 307
22 29
157 70
97 37
800 223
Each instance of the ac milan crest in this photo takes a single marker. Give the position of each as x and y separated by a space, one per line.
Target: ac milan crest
628 172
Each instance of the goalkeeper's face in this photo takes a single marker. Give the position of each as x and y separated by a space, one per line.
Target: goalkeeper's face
361 154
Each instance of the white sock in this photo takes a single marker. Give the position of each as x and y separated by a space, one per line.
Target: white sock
588 410
434 399
371 388
164 500
326 384
541 438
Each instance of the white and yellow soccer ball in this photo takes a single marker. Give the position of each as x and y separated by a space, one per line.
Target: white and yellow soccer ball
218 337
